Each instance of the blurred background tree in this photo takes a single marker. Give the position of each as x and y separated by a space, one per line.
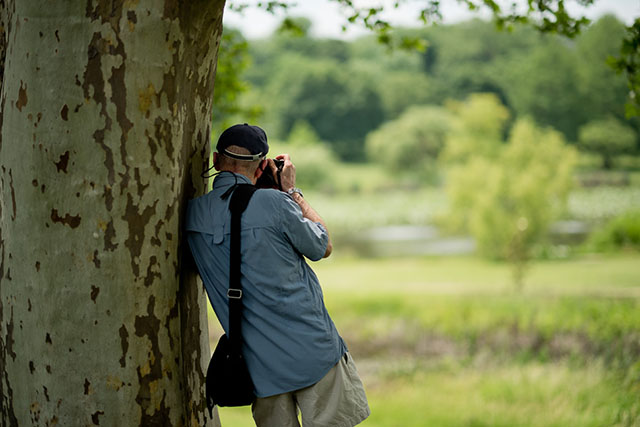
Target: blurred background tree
479 129
608 138
230 84
340 104
601 91
544 85
313 158
411 143
506 194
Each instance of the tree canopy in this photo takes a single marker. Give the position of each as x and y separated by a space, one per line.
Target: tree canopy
346 90
607 137
545 16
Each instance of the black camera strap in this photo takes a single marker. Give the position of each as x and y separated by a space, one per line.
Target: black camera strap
279 179
228 381
239 201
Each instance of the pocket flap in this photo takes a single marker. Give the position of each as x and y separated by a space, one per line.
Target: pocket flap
218 234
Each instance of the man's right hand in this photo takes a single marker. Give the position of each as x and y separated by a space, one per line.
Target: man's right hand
288 173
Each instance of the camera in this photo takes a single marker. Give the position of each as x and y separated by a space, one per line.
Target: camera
271 180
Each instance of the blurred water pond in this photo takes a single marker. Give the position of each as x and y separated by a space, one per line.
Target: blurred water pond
403 240
398 240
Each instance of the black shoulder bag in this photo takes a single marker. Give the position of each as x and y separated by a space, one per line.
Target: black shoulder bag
228 381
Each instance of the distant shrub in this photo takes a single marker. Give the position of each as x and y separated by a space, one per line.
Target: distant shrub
313 162
608 138
410 144
508 198
619 233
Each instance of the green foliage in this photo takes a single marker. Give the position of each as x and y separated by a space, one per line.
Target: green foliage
340 105
396 76
229 86
312 158
622 232
402 90
628 62
298 27
478 131
412 142
302 134
268 54
508 202
345 90
367 51
607 137
546 16
544 85
464 58
604 92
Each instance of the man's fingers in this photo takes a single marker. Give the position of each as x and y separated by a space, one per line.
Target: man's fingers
288 175
287 160
272 165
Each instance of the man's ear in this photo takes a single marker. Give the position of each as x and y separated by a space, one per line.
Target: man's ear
261 167
216 161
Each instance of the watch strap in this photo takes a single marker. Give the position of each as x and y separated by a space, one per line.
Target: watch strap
295 190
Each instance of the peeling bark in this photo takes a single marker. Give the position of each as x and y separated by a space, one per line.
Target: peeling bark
105 109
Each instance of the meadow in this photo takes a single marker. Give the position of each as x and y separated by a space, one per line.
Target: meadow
447 342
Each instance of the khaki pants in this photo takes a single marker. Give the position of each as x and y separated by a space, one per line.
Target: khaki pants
337 400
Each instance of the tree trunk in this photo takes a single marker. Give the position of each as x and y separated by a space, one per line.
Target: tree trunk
105 115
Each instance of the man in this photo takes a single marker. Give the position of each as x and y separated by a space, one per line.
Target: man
293 351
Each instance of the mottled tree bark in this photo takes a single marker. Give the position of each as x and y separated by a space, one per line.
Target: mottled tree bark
105 114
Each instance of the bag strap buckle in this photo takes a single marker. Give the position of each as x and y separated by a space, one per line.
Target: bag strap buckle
234 293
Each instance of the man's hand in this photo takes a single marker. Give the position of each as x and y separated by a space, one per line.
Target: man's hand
287 182
288 173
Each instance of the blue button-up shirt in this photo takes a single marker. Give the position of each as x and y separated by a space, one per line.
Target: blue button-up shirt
289 340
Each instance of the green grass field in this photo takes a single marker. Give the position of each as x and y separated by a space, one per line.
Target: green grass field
448 342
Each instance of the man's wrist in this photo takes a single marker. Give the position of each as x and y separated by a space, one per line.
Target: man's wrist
295 190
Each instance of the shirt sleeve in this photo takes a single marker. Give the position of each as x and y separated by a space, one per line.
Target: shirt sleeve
307 237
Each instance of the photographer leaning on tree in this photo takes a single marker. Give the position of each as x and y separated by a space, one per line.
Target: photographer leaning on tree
294 354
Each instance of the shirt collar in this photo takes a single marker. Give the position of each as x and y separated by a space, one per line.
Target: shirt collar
226 178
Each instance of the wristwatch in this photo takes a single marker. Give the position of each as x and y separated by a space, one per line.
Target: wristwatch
295 190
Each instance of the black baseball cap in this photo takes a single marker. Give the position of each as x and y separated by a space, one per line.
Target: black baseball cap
250 137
